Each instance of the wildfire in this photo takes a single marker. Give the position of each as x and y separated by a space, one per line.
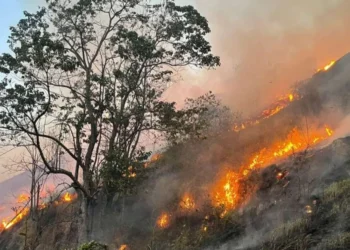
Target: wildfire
10 222
291 97
281 103
280 175
6 224
68 197
163 220
123 247
308 209
153 159
187 202
228 191
22 198
327 67
329 131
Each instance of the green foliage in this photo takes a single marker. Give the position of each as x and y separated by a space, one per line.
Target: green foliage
200 118
86 77
121 174
93 246
338 190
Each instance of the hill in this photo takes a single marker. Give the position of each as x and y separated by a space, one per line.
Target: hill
279 183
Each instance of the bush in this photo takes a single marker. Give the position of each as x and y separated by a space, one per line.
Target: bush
93 246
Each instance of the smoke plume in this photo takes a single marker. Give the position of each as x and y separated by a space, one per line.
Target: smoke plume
266 47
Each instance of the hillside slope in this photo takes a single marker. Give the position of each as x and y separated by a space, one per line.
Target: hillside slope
298 201
307 208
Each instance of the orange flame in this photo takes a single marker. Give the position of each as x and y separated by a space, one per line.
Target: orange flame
187 202
22 198
281 103
329 131
123 247
154 158
163 220
68 197
280 175
6 224
327 67
291 97
228 192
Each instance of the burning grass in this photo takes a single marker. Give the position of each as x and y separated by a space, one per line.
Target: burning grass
233 186
163 220
281 103
187 202
327 67
23 210
230 192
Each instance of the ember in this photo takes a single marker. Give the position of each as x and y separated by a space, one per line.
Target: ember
123 247
67 197
280 175
153 159
187 202
308 209
163 220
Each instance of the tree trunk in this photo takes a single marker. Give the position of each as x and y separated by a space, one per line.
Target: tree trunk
87 206
83 221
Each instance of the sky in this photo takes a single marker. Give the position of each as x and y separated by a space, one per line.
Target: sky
11 11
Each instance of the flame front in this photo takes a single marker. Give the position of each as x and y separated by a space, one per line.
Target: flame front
228 191
187 202
10 222
163 220
327 67
6 224
281 103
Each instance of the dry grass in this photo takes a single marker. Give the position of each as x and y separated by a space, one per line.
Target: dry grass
331 218
291 235
341 241
336 191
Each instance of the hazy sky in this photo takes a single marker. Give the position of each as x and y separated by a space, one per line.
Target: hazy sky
265 46
11 11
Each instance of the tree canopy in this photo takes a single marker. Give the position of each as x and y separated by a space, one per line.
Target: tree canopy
86 77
